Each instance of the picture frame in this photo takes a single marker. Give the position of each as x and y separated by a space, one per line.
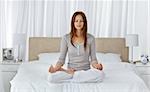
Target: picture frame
7 54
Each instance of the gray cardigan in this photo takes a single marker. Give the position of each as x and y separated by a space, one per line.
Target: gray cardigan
79 59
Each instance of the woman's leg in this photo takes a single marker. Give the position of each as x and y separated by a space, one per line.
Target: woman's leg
94 75
60 75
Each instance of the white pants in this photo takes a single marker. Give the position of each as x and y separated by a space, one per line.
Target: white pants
91 75
59 76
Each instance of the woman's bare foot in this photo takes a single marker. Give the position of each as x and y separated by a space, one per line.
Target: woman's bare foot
70 71
51 69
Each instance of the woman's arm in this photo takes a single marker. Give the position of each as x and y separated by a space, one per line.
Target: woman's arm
94 61
93 51
63 52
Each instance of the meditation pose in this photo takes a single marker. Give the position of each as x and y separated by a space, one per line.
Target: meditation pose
80 47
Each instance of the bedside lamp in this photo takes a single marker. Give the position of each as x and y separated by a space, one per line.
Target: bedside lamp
131 41
19 39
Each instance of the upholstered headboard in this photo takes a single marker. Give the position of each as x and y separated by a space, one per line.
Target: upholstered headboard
39 45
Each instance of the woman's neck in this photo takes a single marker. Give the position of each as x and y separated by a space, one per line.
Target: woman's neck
79 33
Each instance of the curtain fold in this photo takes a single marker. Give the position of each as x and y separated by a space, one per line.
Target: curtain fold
51 18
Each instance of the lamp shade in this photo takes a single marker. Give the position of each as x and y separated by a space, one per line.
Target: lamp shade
131 40
19 39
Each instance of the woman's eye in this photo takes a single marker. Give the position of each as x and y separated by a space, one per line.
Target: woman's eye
79 21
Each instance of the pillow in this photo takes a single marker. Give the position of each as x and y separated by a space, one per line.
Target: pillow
50 58
108 57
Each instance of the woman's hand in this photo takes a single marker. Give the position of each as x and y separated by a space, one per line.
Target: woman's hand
98 66
54 69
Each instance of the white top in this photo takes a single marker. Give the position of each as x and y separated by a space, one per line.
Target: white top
78 56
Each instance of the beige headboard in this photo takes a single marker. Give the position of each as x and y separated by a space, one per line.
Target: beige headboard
107 45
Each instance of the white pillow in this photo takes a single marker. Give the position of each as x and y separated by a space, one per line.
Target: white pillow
50 58
108 57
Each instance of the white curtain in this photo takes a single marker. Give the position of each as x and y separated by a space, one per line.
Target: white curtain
106 18
2 27
148 29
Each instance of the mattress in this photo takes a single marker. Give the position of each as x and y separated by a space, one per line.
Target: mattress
119 77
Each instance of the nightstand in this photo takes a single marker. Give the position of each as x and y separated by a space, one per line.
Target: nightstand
8 71
144 71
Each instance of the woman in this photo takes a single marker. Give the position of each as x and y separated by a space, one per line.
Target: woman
80 46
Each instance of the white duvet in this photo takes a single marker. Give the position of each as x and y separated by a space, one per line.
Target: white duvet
119 77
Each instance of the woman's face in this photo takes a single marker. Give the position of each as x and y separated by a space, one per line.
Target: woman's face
79 23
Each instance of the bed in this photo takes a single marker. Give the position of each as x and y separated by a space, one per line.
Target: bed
119 77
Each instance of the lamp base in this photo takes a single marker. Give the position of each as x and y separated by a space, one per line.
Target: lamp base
18 60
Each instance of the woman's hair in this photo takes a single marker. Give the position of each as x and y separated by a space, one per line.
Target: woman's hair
73 29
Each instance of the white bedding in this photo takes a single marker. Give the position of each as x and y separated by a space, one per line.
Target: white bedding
1 83
119 77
